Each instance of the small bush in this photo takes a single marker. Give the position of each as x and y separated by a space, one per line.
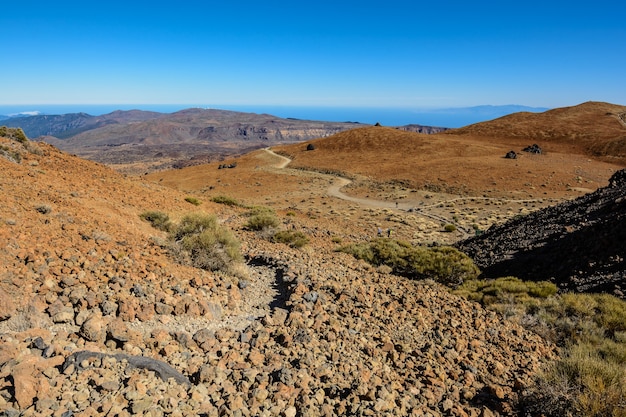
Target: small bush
260 210
262 222
157 219
588 378
443 264
262 219
294 239
505 290
449 228
588 381
193 200
228 201
16 134
200 239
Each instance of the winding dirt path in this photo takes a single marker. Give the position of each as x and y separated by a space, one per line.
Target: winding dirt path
334 190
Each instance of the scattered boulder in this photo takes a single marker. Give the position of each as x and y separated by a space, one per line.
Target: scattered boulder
225 166
536 149
310 147
511 155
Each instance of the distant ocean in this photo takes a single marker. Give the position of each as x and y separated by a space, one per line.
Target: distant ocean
449 117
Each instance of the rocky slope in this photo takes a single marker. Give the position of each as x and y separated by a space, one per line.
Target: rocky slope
580 244
98 319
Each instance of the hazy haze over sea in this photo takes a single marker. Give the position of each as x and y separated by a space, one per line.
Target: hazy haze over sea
448 117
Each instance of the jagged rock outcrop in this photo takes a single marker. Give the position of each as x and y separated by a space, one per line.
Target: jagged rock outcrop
580 245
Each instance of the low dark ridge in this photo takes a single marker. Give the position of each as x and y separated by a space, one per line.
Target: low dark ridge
580 245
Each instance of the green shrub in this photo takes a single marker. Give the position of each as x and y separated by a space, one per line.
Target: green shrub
228 201
443 264
262 219
260 210
449 228
207 245
589 377
505 290
588 381
295 239
157 219
16 134
611 314
193 200
578 318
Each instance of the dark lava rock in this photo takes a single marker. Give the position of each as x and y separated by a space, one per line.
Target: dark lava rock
533 149
579 245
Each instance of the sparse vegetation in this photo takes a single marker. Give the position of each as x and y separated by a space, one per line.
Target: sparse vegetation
262 219
16 134
10 154
505 290
157 219
449 228
294 239
14 151
193 200
587 381
443 264
228 201
589 378
199 240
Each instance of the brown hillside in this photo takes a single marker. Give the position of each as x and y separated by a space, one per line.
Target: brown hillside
594 128
460 179
458 164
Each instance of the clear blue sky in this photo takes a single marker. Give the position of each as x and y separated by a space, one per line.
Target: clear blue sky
401 54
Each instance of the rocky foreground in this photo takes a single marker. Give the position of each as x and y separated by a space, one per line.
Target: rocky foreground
97 319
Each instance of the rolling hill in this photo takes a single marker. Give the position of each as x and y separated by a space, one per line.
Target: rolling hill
472 160
593 128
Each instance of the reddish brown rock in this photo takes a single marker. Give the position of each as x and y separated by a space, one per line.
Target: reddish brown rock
7 306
